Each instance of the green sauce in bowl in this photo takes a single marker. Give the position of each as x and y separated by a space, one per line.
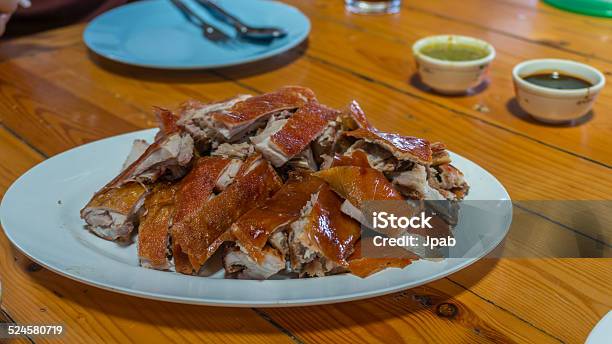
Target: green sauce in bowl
454 51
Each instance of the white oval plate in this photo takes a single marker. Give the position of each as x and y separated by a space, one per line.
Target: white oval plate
40 216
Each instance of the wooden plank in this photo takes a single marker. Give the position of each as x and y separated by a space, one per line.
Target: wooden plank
563 31
378 48
565 297
41 42
32 294
440 312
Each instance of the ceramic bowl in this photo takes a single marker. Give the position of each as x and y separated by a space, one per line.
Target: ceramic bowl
553 105
452 77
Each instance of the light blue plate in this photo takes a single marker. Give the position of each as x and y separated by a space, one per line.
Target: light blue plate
156 34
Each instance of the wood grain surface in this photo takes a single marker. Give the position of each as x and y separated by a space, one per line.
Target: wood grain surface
55 95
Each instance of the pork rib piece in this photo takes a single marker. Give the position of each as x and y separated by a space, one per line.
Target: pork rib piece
261 233
200 235
153 230
295 134
198 186
113 212
323 238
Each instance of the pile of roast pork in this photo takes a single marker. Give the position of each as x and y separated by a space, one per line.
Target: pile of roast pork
274 182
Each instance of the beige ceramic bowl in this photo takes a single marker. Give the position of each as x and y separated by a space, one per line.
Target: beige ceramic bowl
452 77
553 105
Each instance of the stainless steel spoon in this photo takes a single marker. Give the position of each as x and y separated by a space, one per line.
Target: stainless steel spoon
209 31
244 31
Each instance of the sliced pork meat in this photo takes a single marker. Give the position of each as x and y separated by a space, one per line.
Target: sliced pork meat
231 120
154 228
449 181
240 265
199 236
305 161
170 155
234 150
439 154
253 230
245 116
113 212
196 118
284 139
323 238
138 148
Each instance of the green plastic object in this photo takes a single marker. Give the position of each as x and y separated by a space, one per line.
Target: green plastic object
598 8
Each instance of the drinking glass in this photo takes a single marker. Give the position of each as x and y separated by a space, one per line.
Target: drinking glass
373 6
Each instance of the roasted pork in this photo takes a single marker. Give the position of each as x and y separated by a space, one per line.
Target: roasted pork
287 138
323 238
231 120
364 266
113 213
253 230
194 191
154 228
200 235
138 148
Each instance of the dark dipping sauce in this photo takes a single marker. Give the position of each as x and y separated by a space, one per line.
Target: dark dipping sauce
557 81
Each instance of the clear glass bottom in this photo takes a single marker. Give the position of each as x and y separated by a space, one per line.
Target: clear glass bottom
373 6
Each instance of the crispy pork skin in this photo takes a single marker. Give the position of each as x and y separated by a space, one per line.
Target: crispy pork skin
167 121
153 230
231 120
193 192
359 184
296 133
112 212
323 238
401 147
240 265
353 117
199 236
255 228
245 116
364 266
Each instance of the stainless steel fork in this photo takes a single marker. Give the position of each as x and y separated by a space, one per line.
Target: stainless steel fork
210 32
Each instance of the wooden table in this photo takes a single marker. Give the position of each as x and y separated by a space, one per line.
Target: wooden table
55 95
